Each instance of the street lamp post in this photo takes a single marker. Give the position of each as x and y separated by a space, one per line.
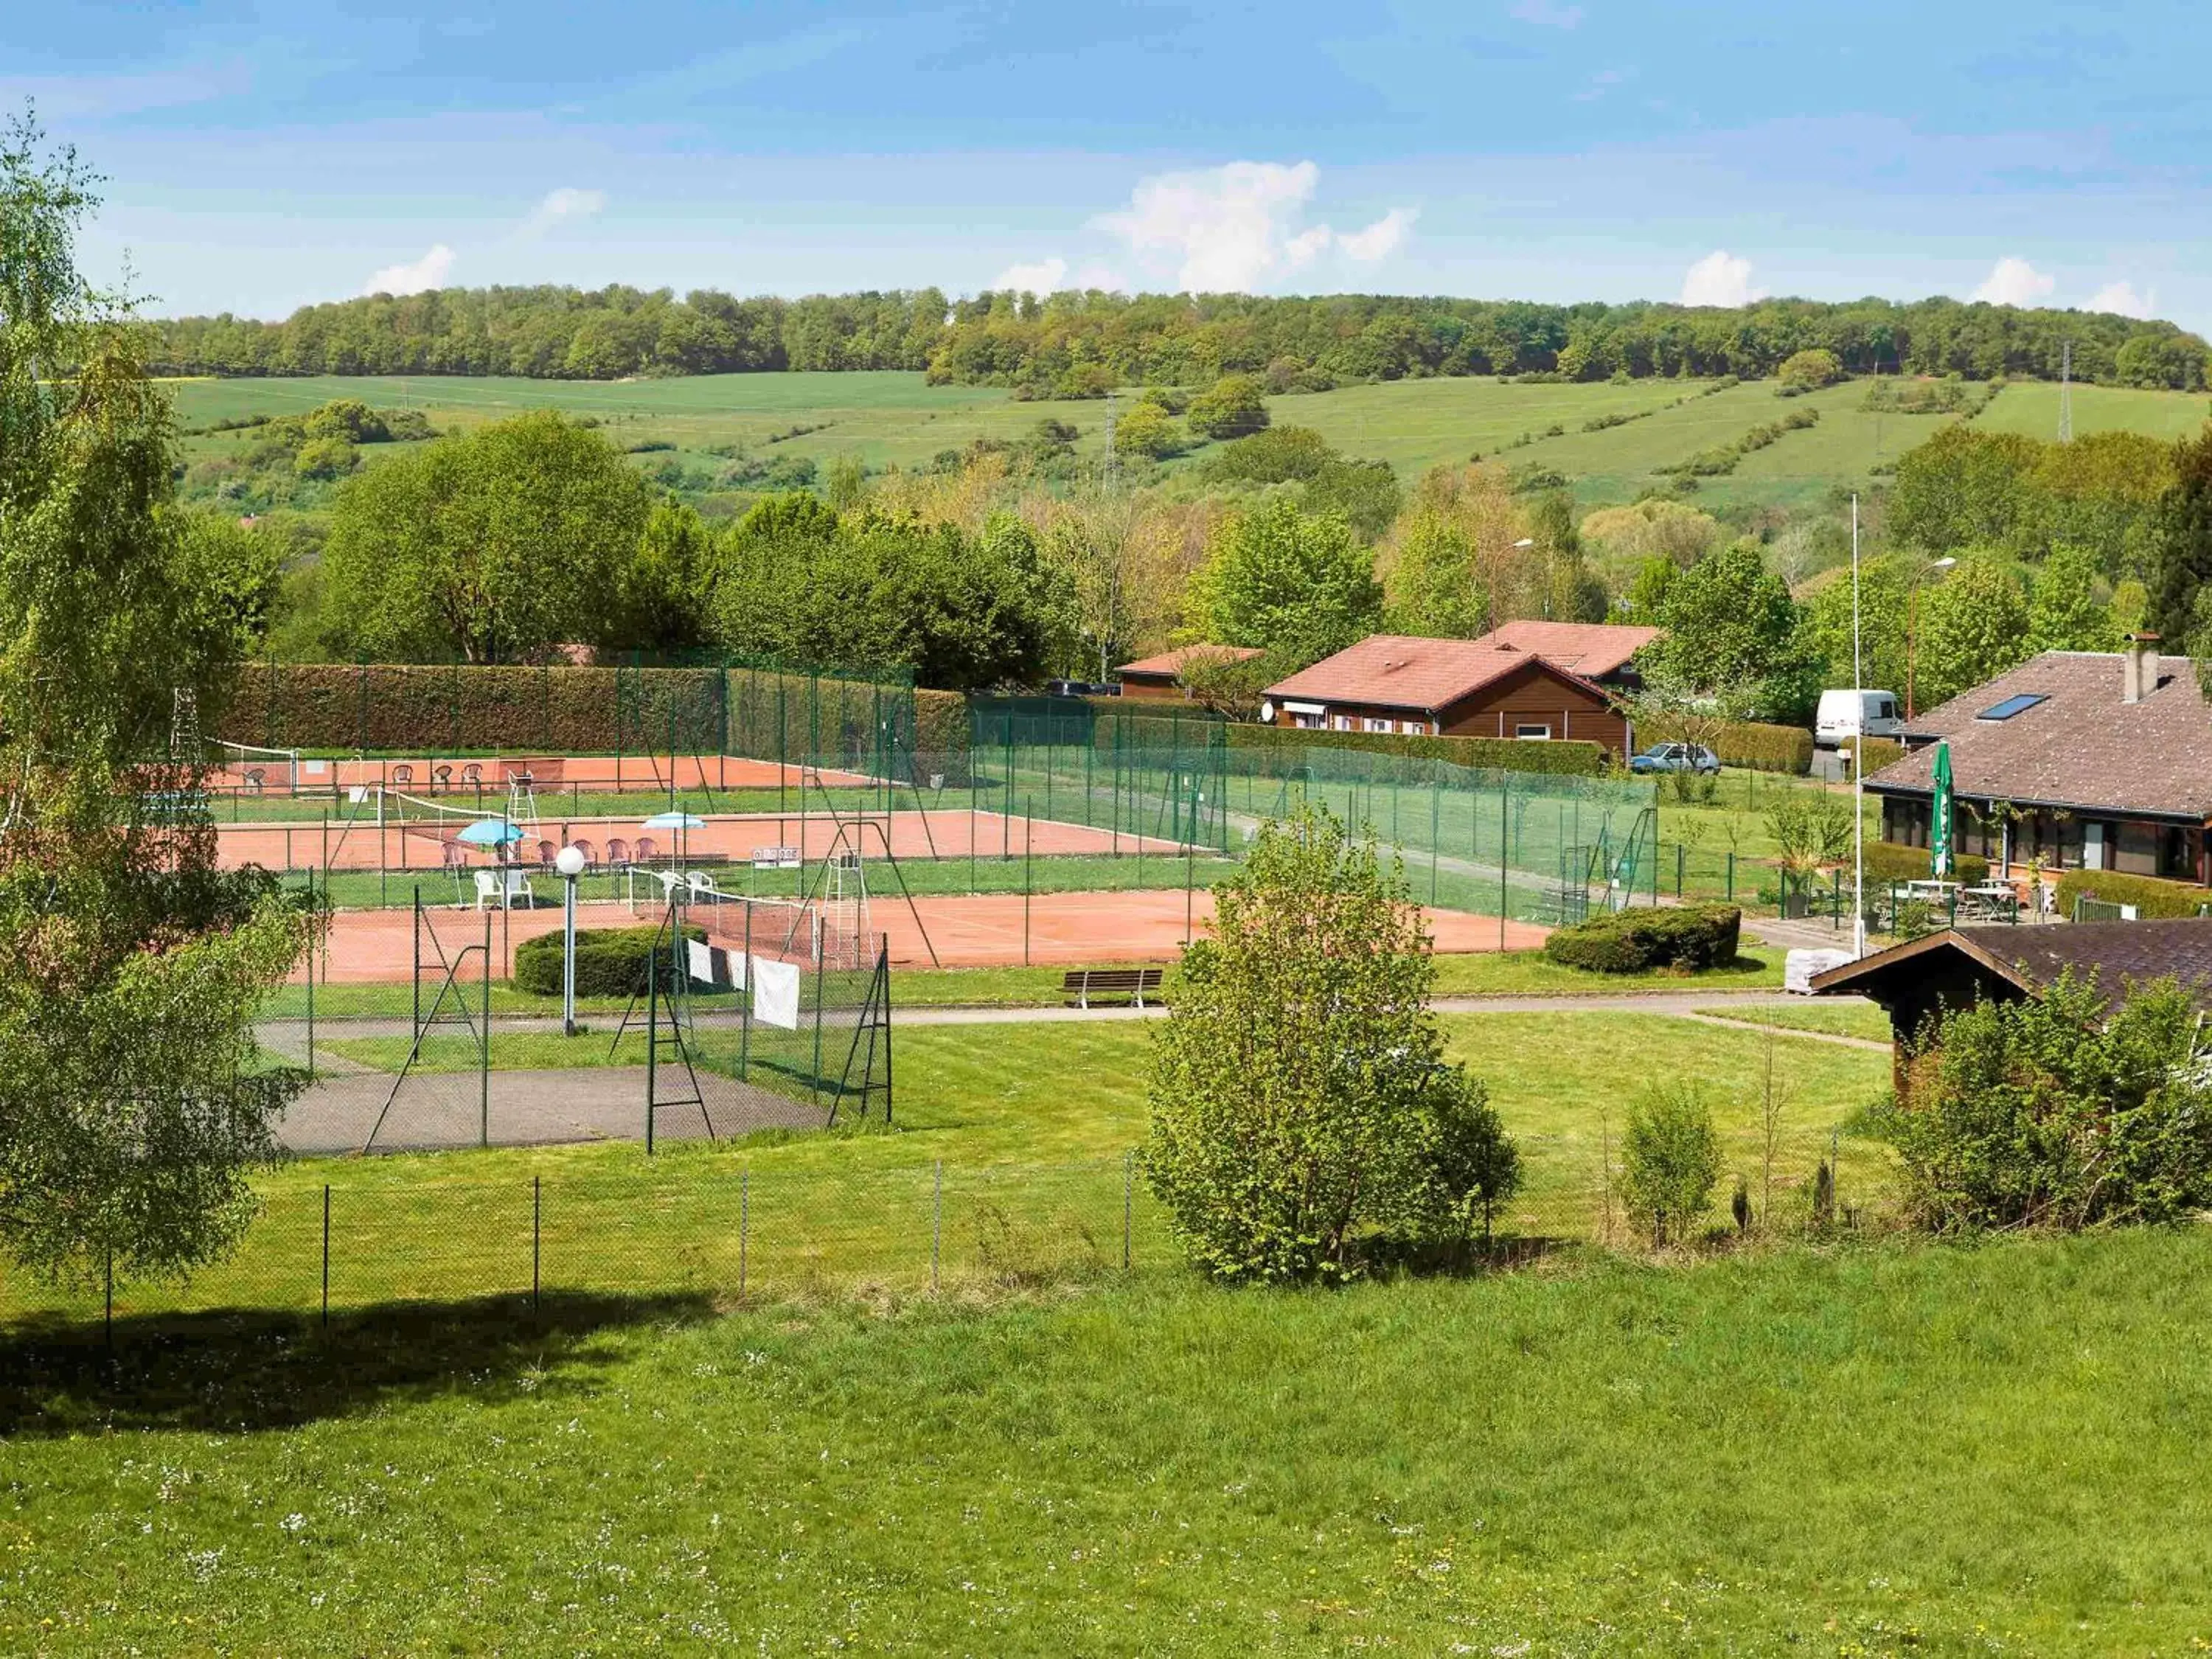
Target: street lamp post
570 861
1523 546
1912 621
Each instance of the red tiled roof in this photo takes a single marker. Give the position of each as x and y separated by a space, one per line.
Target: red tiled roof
1397 671
1172 662
2081 747
1592 650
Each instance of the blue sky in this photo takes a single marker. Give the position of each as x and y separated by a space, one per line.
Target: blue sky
263 156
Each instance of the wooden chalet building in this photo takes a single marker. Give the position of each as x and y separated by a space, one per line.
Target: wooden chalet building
1158 677
1604 653
1447 687
2082 760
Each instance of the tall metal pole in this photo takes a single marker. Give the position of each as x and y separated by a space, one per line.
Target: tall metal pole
1858 757
569 956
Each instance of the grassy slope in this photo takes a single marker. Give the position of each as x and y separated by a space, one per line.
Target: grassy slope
2031 407
1904 1450
1856 1019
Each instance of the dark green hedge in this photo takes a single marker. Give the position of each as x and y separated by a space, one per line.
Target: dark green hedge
1888 861
1688 937
1572 759
610 962
1761 748
2154 899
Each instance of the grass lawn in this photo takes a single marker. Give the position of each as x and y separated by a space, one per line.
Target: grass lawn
1858 1019
1903 1449
2031 407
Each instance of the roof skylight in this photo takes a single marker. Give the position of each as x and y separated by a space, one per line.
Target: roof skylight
2013 705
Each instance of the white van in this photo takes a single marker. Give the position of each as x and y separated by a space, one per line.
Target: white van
1847 714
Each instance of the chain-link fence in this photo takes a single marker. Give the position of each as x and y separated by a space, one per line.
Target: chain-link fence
722 1225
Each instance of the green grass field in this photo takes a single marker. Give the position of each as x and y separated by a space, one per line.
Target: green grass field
2031 407
1853 1019
1874 1451
889 418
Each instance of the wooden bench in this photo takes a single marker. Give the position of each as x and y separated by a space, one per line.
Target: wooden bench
1132 984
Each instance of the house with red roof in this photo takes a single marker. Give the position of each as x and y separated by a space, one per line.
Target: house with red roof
1448 687
1161 676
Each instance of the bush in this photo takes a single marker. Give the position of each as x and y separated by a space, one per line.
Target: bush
1878 753
2152 899
1233 408
2059 1111
610 962
1888 861
1473 1165
1687 936
1670 1162
1574 759
1761 748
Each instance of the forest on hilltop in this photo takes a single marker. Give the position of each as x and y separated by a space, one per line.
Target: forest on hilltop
1082 344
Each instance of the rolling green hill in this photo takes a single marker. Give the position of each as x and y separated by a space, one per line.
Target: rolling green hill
891 418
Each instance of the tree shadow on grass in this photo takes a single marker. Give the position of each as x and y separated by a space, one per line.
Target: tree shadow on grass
237 1372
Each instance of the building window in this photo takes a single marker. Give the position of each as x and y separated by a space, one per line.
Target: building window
1342 722
1532 734
1376 723
1414 728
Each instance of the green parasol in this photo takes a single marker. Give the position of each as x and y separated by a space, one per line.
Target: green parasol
1939 826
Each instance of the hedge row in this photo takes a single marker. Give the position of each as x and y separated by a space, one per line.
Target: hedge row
1765 748
610 962
1888 861
2154 899
417 709
1688 937
1567 759
1881 752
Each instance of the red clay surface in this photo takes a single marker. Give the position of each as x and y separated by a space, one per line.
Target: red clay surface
943 833
988 930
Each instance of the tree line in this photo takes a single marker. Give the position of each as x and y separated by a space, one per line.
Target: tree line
1084 344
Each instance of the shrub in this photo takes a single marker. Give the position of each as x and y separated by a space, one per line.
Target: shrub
1473 1165
2152 899
1762 748
1878 753
1572 759
1686 937
610 962
2059 1111
1670 1162
1233 408
1809 830
1888 862
1296 1082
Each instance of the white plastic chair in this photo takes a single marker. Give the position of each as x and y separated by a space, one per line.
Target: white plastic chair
518 887
487 887
701 885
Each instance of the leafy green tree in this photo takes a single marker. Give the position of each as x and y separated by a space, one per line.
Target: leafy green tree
847 485
1963 488
2175 360
1974 626
1148 430
1647 590
2062 612
1654 527
1824 631
1810 369
2062 1110
325 459
493 547
1234 407
2181 559
233 577
136 1106
1301 586
663 586
1730 633
964 613
1433 590
1300 1101
1670 1162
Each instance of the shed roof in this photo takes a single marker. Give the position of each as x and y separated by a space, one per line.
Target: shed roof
2031 958
1174 661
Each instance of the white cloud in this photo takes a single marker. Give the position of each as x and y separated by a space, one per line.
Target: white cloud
1601 83
1720 279
1233 228
1044 277
2121 299
1544 14
1380 240
2013 282
427 273
561 206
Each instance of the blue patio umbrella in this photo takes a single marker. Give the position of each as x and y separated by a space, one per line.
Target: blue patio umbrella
490 832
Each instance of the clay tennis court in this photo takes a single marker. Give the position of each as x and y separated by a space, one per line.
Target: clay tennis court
942 833
980 931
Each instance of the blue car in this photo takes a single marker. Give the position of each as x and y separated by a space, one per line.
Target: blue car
1675 758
